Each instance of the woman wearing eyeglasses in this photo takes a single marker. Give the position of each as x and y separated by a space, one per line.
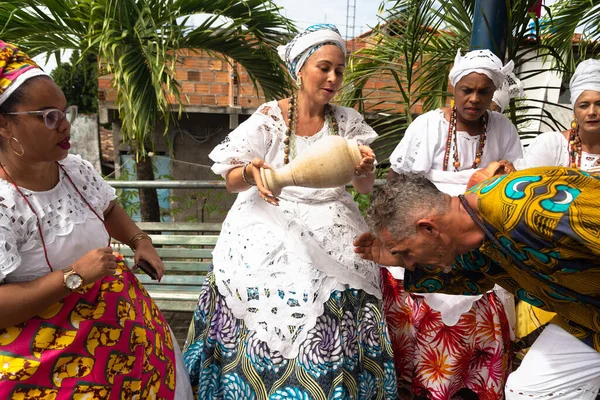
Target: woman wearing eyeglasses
74 320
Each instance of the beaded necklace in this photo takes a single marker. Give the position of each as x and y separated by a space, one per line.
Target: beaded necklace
290 137
452 138
575 148
39 223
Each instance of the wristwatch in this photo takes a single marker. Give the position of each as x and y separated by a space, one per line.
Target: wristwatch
72 280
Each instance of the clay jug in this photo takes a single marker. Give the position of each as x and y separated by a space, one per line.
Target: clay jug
330 162
493 169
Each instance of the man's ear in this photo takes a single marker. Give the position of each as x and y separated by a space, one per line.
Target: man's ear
428 227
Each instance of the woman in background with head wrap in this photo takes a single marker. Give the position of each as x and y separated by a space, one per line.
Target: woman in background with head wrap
578 147
289 310
511 87
74 320
448 146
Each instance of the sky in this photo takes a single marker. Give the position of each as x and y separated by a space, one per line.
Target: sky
308 12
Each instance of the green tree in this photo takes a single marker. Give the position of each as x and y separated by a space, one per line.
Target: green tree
137 42
567 18
78 79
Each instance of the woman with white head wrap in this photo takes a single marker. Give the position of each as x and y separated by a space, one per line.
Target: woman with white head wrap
448 145
290 311
558 363
511 87
578 147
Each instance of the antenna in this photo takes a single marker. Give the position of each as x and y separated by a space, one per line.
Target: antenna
350 21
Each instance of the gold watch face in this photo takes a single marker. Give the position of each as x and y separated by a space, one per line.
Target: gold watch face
73 281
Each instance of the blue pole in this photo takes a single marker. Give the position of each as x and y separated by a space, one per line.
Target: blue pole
490 26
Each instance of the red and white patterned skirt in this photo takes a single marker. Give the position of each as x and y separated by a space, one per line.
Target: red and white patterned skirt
439 360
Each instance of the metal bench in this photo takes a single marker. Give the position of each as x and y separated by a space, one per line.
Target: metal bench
186 250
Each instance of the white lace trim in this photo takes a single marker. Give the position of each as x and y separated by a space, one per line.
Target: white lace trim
277 266
586 392
59 209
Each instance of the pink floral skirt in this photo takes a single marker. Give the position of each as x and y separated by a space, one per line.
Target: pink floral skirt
439 360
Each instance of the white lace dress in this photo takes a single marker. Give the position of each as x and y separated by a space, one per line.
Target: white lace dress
422 150
277 266
69 228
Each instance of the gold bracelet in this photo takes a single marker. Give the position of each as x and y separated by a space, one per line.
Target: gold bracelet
137 237
245 177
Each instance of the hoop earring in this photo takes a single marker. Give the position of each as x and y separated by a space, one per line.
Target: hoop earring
20 145
299 82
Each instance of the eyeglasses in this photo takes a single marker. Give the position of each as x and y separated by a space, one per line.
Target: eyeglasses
52 117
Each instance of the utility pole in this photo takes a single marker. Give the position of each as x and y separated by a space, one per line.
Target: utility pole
350 21
490 26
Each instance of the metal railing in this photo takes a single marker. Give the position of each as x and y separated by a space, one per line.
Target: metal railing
214 184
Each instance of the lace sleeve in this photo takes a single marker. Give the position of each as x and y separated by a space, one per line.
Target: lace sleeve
353 126
10 259
249 140
89 182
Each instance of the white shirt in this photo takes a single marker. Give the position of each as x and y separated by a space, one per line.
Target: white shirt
69 227
552 149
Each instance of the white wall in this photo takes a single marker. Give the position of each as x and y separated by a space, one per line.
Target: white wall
85 140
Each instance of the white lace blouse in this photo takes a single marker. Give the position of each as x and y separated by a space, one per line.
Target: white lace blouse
69 227
422 150
277 266
552 149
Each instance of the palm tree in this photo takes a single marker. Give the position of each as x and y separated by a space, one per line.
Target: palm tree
414 46
138 41
566 18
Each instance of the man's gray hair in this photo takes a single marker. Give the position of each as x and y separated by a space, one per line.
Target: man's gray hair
402 201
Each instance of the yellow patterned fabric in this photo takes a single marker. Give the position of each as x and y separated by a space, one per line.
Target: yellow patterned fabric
13 63
549 219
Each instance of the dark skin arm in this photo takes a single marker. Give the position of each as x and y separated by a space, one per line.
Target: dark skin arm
121 227
23 300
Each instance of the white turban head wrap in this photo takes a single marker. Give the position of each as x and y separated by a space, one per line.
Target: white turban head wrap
511 87
481 62
586 77
303 45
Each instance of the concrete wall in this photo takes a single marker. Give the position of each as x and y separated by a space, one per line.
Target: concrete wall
547 86
85 140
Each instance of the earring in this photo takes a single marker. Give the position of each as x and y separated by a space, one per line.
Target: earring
298 81
574 124
20 145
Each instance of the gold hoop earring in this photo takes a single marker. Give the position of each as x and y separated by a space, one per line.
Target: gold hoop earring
298 81
20 145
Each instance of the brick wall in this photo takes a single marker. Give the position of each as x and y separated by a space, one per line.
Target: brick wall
381 92
205 82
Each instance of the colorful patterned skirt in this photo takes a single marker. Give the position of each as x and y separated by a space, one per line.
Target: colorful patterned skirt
439 360
108 342
347 355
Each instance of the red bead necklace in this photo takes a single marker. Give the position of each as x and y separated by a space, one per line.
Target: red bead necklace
452 138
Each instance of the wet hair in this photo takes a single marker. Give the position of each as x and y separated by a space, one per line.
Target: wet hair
402 201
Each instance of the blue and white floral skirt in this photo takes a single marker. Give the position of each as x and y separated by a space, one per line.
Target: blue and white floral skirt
343 357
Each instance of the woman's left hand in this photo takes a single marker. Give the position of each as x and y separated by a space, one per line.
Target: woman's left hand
145 251
367 163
